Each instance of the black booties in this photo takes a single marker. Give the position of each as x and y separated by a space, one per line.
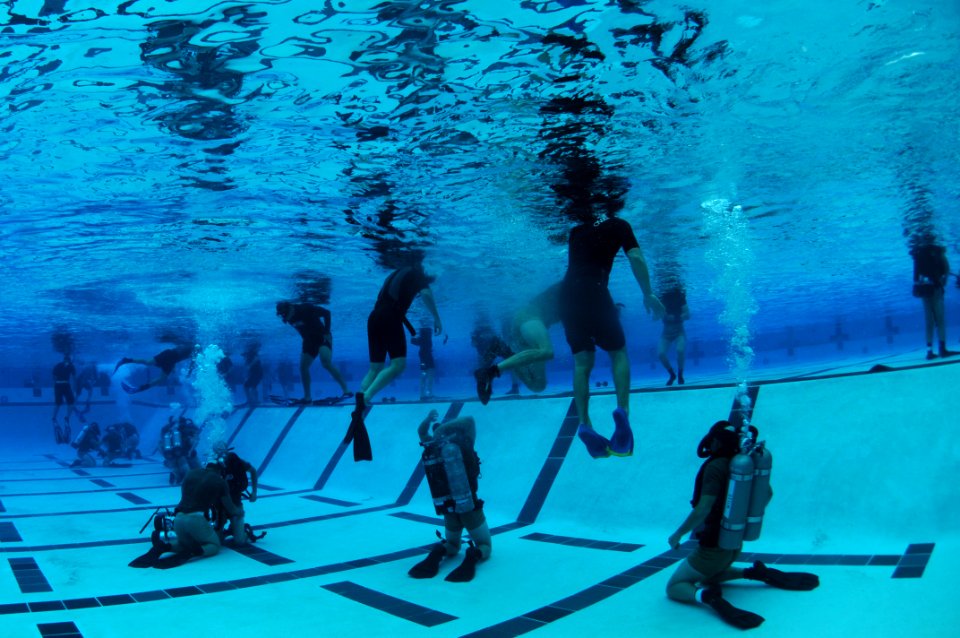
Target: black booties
468 568
429 566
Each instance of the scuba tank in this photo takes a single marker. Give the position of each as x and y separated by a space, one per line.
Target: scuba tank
747 491
447 477
759 492
81 436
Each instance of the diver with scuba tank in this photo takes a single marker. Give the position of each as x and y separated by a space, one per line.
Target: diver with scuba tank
730 495
452 470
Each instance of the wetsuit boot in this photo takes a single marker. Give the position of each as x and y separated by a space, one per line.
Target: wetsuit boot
158 549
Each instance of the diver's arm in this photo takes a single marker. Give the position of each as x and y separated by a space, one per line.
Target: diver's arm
324 317
427 296
423 430
685 313
696 518
253 482
642 274
465 425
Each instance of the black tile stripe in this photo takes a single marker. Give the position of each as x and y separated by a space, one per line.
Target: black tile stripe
259 554
551 467
59 630
583 542
9 533
133 498
81 472
431 520
102 483
329 501
581 600
2 508
240 425
337 455
75 478
269 488
389 604
280 438
564 606
913 563
29 577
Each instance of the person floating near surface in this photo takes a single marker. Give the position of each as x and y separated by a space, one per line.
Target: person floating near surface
698 578
591 318
385 337
313 324
166 361
930 271
64 377
202 490
452 469
675 313
530 346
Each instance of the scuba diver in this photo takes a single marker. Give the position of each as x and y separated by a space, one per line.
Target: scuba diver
235 472
731 491
86 443
203 489
166 361
178 445
119 439
452 469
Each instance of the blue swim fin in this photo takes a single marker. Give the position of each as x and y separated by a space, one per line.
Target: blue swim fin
621 443
597 446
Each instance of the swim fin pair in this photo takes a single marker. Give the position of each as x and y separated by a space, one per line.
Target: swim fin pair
793 581
620 444
158 548
463 573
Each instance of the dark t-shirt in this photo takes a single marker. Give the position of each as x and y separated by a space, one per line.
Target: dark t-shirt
401 288
310 320
592 249
716 475
63 371
202 489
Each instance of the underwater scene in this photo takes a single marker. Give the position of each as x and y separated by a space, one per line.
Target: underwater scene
479 318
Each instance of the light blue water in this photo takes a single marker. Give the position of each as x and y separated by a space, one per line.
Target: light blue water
179 167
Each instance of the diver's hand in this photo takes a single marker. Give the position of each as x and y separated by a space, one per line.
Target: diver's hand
253 498
653 305
674 540
437 328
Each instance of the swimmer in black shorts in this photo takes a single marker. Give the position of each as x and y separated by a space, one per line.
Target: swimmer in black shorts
166 361
313 324
590 317
385 326
64 376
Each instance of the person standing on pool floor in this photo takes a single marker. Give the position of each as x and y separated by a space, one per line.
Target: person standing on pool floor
313 324
589 315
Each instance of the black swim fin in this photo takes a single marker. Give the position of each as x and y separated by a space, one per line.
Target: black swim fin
465 572
361 442
429 566
739 618
147 560
794 581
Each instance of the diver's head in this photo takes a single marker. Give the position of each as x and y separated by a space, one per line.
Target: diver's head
722 440
221 449
283 309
